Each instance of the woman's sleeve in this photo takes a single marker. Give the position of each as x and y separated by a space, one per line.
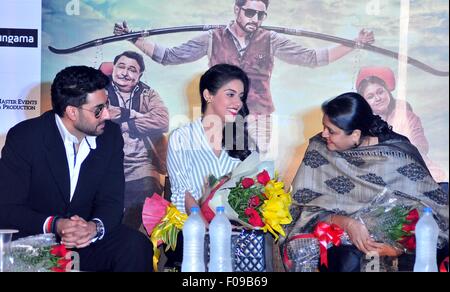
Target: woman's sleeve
178 163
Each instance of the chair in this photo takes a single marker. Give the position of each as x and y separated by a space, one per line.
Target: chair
106 68
166 188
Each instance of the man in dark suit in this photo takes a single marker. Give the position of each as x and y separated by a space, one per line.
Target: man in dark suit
63 173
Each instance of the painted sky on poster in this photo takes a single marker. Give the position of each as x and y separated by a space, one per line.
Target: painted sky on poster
297 91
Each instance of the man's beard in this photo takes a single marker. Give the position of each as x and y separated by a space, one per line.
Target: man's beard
245 27
90 131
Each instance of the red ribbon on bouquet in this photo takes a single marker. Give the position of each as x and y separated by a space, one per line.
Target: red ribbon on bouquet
443 267
209 214
325 233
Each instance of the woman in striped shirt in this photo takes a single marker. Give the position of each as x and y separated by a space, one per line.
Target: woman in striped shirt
213 144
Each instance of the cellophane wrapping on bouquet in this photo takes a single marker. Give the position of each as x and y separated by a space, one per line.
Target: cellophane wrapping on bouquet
390 221
252 196
163 222
34 254
302 254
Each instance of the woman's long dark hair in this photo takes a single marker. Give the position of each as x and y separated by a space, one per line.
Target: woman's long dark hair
350 111
213 79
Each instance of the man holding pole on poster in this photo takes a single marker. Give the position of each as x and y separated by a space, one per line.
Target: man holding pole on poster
244 43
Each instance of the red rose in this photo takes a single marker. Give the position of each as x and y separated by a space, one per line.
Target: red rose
254 218
413 216
249 211
247 182
58 270
409 242
59 251
409 227
263 178
254 202
62 263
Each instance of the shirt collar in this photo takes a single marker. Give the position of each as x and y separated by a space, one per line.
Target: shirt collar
116 88
69 138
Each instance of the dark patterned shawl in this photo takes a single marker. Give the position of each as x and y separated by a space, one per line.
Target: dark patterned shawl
332 182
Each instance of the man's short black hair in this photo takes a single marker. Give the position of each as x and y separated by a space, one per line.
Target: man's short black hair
132 55
241 3
72 85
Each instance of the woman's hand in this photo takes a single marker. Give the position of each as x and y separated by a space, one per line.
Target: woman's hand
189 202
383 249
357 231
359 235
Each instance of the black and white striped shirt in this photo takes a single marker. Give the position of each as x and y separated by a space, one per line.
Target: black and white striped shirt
191 160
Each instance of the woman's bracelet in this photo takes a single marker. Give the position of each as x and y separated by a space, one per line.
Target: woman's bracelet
349 223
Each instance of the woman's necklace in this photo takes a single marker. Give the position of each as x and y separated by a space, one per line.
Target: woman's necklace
371 141
365 142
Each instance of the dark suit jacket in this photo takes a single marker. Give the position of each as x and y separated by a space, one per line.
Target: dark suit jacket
35 183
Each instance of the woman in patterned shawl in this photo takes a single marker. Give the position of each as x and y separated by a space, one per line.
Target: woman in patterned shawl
356 158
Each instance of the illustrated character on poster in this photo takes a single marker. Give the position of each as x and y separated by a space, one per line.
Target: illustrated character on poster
245 44
144 119
259 46
376 85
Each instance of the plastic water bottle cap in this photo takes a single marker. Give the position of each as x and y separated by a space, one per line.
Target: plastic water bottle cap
427 210
220 209
195 209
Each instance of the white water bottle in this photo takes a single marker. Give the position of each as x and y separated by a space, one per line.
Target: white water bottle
427 232
193 243
220 243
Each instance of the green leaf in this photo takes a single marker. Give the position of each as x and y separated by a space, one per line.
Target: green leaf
212 180
173 237
165 236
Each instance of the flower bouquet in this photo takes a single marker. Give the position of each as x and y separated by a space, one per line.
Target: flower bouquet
252 196
39 253
391 222
162 222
